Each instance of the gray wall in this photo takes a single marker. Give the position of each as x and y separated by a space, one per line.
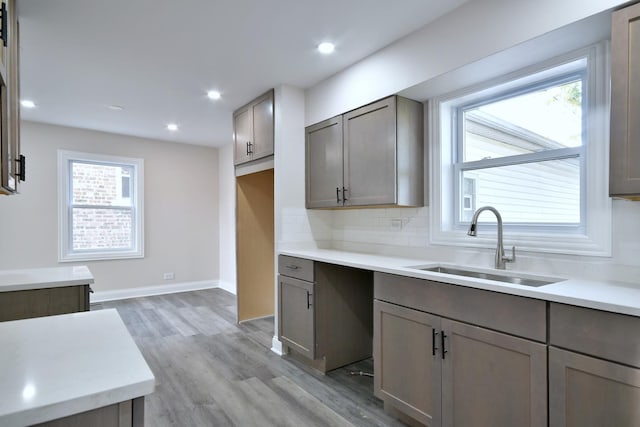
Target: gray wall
180 211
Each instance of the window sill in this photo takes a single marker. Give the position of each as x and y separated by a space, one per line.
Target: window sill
105 256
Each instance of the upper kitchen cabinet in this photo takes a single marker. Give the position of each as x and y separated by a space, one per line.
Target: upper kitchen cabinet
253 129
371 156
624 178
324 164
12 163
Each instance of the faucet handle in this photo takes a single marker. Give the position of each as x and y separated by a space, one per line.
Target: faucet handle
512 258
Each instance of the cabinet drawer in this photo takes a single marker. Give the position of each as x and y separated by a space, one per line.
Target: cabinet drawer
599 333
299 268
524 317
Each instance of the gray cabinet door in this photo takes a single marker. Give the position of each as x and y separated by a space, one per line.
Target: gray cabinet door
624 172
324 175
407 366
262 121
242 135
589 392
296 315
370 154
492 379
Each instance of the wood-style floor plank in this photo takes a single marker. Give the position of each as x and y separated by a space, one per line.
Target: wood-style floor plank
211 371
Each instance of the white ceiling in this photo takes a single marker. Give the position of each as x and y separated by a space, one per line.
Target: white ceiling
158 58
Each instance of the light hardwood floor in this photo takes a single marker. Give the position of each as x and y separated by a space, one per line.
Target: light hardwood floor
211 371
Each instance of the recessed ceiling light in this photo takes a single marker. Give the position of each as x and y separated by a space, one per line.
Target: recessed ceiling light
115 107
326 47
26 103
172 127
213 94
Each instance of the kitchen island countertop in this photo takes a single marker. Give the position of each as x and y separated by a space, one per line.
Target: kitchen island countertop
56 366
39 278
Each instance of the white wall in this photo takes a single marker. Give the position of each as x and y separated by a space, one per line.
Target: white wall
180 207
227 215
476 30
465 37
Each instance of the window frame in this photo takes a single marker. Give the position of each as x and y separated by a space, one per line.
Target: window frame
593 236
65 205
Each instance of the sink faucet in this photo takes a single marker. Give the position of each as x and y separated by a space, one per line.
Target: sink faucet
501 259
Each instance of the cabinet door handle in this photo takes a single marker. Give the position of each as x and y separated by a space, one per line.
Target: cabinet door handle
309 300
338 195
443 336
21 165
433 341
344 194
247 145
250 147
292 267
4 34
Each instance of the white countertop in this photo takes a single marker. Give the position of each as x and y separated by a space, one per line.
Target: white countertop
39 278
617 297
52 367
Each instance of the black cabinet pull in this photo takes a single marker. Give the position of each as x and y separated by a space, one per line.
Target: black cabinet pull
4 33
443 336
247 145
433 341
338 195
250 147
308 300
344 194
21 166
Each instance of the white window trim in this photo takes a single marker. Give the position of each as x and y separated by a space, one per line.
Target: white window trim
596 238
65 254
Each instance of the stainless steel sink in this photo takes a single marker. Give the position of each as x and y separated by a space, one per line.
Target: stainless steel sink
490 276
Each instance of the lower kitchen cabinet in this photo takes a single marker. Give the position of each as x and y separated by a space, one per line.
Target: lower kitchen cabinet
325 312
129 413
446 373
24 304
297 315
594 368
589 392
491 379
407 369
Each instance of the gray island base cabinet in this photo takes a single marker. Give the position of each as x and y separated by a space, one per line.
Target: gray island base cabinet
24 304
325 312
129 413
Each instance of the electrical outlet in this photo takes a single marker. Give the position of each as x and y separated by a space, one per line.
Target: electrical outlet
396 223
168 276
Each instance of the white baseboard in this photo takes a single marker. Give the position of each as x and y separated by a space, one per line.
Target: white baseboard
116 294
227 286
276 346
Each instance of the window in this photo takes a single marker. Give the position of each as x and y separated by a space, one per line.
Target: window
100 207
533 145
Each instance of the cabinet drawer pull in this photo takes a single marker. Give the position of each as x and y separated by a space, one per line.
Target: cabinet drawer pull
308 300
443 336
292 267
433 341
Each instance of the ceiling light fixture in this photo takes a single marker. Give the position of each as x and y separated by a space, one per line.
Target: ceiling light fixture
115 107
26 103
213 94
172 127
326 48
